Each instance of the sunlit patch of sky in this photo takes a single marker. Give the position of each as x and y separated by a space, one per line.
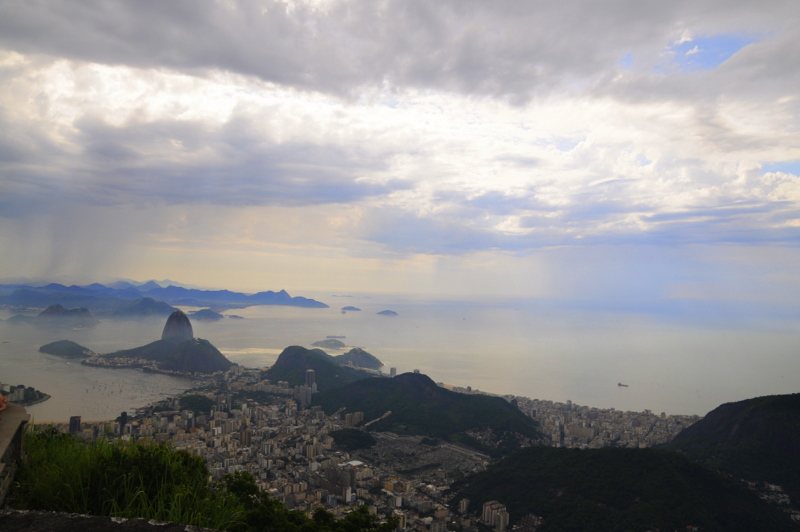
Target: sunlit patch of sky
706 52
626 63
790 167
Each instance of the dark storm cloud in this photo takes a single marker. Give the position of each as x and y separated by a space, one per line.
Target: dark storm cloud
182 163
578 186
505 48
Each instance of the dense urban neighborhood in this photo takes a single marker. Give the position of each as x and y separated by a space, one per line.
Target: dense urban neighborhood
243 422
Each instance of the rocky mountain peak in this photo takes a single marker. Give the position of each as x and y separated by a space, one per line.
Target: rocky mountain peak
178 324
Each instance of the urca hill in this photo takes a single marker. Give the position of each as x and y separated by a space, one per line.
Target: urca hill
293 362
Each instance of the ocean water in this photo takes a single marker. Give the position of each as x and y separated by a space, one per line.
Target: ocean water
679 361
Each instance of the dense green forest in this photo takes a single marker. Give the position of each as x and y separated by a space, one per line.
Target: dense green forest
755 439
196 403
419 406
619 489
353 439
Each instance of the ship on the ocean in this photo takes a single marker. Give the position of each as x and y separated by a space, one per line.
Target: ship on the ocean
622 385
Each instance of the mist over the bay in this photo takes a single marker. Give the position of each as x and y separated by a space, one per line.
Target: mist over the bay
683 362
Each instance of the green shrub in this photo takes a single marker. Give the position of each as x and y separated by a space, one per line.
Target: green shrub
121 479
125 479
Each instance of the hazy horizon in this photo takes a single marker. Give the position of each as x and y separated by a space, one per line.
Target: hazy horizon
681 360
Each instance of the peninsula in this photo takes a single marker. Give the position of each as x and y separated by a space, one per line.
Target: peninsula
178 353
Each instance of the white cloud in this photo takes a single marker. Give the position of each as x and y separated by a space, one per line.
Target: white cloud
378 130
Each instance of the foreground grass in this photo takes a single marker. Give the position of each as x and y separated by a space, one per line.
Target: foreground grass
121 479
144 480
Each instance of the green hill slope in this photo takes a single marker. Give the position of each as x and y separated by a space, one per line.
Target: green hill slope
419 406
756 439
293 362
619 489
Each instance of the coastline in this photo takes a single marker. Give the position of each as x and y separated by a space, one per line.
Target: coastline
36 402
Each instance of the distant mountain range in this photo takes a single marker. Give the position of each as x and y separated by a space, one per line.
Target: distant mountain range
149 299
57 315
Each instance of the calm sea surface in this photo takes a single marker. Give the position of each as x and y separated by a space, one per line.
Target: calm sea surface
679 363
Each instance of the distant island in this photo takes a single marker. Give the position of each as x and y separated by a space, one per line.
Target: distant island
351 309
74 318
206 314
20 318
330 343
66 349
387 313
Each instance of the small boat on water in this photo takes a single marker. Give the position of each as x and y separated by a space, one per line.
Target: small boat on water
622 385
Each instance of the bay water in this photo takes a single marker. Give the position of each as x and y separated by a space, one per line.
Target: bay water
685 361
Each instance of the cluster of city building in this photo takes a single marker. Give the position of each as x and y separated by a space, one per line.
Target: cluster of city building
289 448
571 425
146 365
575 426
22 395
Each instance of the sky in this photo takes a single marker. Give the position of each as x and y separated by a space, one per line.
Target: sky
577 150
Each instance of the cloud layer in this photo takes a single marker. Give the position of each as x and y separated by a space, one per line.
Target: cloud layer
396 130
